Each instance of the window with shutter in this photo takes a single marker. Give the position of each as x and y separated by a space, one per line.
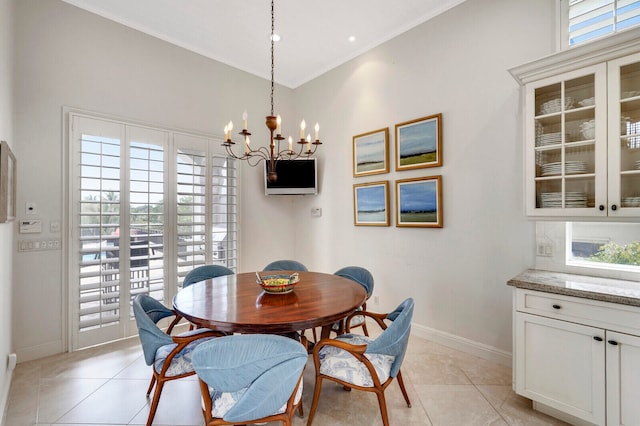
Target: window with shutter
146 204
585 20
99 220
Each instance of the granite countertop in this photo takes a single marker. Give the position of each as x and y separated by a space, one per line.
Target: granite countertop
588 287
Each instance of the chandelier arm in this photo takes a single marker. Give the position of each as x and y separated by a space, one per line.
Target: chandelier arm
258 159
262 152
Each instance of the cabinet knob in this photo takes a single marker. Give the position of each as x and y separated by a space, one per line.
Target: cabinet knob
614 207
597 338
612 342
556 306
601 207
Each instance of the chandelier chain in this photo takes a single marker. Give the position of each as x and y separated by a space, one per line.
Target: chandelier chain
272 48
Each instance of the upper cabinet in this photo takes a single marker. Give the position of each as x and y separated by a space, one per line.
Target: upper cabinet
581 118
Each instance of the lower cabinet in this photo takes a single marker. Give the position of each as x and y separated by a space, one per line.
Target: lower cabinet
623 379
569 355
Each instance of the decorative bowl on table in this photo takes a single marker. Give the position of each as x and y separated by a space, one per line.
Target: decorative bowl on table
278 284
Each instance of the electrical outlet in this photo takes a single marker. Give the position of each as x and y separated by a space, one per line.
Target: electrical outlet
38 245
544 249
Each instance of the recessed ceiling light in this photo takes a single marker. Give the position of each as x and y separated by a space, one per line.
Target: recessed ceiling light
275 37
352 39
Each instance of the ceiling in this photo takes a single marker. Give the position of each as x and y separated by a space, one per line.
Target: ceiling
314 34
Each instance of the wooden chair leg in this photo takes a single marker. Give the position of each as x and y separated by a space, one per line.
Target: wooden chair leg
383 408
154 402
364 329
402 388
316 398
153 382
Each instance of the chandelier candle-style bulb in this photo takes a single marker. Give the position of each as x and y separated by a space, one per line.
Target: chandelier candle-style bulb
226 133
244 120
290 145
303 125
230 129
308 143
317 128
279 122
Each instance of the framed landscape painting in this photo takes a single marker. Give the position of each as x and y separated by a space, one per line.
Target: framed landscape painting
371 153
371 204
419 202
419 143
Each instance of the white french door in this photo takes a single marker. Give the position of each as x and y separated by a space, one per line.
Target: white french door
147 205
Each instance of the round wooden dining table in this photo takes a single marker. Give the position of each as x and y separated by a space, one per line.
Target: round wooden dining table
237 304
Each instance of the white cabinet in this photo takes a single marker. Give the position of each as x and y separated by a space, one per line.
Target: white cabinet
623 379
581 119
577 356
624 135
566 146
561 365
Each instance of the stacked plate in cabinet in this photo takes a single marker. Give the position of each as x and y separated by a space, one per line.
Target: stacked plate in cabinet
572 199
549 139
637 163
554 105
570 167
631 202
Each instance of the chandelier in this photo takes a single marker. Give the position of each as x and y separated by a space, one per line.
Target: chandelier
273 153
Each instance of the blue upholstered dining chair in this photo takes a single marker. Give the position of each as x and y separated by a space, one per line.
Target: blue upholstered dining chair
250 378
156 311
285 265
365 363
205 272
170 356
363 277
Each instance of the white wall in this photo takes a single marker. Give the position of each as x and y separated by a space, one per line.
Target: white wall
455 64
6 229
69 57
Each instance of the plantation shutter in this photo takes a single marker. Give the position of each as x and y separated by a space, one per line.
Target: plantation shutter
589 19
224 215
99 218
147 205
191 210
146 212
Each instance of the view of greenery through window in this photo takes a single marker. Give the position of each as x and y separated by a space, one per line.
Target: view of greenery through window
626 254
604 243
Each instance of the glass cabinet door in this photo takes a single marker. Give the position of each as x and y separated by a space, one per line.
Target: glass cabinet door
624 136
566 170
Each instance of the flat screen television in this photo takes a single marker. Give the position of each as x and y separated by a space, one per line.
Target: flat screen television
295 177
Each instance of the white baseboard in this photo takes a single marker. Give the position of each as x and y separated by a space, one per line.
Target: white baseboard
462 344
40 351
550 411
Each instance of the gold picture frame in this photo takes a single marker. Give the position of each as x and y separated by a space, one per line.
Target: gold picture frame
371 204
8 176
419 202
371 153
419 143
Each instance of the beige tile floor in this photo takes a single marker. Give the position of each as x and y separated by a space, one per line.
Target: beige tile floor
106 386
